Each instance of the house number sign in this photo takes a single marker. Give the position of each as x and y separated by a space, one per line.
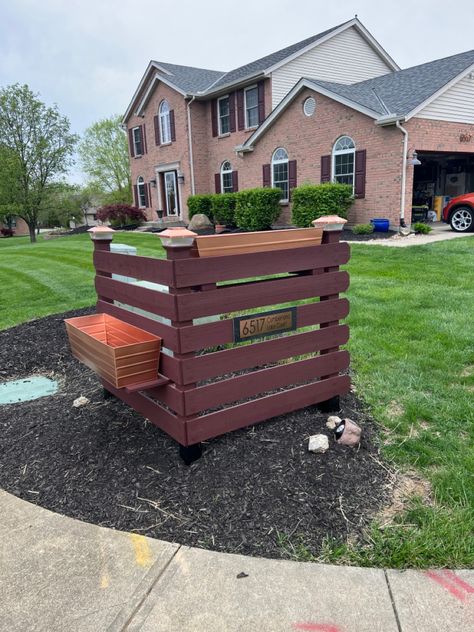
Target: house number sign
264 324
465 137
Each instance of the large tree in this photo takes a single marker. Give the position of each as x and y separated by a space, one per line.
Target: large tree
104 158
36 146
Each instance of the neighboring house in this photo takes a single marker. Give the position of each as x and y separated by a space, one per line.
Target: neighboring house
333 107
18 225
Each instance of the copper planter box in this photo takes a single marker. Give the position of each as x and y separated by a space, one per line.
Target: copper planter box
120 353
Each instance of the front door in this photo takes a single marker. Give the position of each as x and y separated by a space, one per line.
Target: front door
171 193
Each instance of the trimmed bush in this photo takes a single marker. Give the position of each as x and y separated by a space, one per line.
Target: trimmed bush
200 204
363 229
121 215
223 208
311 201
6 232
257 209
421 229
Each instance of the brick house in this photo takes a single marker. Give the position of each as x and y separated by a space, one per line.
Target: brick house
332 107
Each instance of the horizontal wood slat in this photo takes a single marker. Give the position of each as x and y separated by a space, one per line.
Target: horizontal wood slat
251 384
196 337
210 365
196 271
143 268
234 417
149 300
259 293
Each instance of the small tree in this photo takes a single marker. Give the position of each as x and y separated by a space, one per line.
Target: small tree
121 215
37 146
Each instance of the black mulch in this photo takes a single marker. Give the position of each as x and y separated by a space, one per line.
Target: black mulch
348 235
251 492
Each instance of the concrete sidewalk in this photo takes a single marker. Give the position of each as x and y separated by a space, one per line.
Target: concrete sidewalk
439 232
59 574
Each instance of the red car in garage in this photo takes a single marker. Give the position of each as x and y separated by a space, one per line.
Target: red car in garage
459 213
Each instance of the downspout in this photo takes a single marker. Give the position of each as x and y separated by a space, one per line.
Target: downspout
404 172
190 141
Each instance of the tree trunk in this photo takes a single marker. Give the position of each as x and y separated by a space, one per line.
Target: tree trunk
32 229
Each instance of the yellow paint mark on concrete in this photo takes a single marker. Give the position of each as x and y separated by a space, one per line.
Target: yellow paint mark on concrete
142 550
104 581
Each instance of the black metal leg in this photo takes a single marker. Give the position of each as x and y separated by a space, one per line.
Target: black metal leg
332 405
190 453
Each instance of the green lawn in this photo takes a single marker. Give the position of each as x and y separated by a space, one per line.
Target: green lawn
412 348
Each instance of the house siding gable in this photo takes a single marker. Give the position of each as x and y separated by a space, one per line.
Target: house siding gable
455 105
345 58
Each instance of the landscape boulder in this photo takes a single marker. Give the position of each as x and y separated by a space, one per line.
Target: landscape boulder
318 443
201 224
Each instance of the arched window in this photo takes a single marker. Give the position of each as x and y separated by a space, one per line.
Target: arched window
165 126
343 160
227 185
141 193
280 171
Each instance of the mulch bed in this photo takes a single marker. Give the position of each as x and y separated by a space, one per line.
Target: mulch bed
348 235
255 491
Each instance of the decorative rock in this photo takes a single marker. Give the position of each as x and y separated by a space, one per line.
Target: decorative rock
348 433
318 443
200 222
80 401
333 421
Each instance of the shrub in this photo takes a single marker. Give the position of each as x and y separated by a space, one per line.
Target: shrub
200 204
121 215
6 232
311 201
257 209
363 229
421 229
223 208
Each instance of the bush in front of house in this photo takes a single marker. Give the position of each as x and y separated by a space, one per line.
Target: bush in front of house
363 229
223 208
200 203
311 201
6 232
257 209
421 229
121 215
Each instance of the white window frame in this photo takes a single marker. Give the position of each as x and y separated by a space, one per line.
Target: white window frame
281 161
226 172
247 126
341 152
137 141
219 125
141 183
165 123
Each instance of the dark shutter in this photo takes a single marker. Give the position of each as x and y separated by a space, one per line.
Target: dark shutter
217 182
325 168
261 102
240 110
235 181
135 195
147 196
360 171
156 123
291 176
267 179
143 135
130 142
214 116
232 111
172 127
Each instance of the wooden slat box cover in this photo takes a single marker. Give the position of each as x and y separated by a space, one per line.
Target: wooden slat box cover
259 241
120 353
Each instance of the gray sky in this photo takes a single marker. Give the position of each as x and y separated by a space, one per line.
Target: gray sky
89 55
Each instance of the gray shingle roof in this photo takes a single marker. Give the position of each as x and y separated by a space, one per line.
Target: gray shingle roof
402 91
190 80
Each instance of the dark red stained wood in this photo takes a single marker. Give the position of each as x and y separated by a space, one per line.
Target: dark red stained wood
130 143
222 332
199 368
251 384
143 268
172 127
266 175
141 297
169 395
191 272
171 424
360 169
261 101
214 117
156 124
232 111
235 181
217 182
146 386
222 421
240 110
237 297
325 168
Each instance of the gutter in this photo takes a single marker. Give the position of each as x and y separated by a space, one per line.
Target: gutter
190 142
404 173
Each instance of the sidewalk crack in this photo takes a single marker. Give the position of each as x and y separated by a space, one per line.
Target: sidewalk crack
397 619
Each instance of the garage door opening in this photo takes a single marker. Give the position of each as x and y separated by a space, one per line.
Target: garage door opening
440 177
